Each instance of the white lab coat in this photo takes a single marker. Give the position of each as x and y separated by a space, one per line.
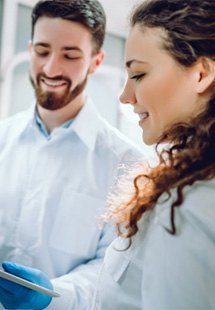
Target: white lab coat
52 193
161 271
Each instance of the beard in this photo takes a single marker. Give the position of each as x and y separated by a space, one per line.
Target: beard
53 101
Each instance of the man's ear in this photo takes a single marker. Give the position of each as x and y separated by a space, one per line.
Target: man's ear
96 61
30 46
205 74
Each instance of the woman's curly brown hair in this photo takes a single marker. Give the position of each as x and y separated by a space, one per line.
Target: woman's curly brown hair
189 28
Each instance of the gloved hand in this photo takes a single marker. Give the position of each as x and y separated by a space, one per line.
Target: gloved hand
15 296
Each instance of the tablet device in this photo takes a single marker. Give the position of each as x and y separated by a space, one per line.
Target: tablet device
10 277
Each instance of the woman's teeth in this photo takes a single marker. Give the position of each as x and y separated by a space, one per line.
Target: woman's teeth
143 115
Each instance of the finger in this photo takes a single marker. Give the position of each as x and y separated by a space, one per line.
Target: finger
3 293
20 270
4 297
11 288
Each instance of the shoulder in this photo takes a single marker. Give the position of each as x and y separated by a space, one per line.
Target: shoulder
13 124
198 204
200 197
197 211
109 141
111 138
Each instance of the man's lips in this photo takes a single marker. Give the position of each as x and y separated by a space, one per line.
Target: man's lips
53 83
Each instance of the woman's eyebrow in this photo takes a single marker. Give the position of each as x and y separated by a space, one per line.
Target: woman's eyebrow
130 62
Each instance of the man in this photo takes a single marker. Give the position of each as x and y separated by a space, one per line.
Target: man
58 162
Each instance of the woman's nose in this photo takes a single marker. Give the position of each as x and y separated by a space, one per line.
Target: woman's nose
127 95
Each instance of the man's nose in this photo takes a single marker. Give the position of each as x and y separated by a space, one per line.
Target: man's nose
52 67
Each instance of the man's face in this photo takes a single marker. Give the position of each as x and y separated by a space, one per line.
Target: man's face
61 60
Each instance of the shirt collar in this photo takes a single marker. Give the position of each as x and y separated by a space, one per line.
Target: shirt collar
43 128
87 124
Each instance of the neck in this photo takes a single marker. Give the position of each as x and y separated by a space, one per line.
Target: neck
54 119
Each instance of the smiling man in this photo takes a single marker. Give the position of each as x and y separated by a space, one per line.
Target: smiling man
62 58
59 161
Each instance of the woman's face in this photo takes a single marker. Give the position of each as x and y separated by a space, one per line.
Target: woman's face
161 91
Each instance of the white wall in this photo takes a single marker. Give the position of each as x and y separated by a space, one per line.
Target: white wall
117 15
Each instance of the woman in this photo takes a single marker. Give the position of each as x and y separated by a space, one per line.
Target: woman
164 257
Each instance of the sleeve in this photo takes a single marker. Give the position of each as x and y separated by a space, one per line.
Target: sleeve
77 287
179 269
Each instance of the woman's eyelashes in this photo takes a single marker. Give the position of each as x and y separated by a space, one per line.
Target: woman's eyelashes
137 77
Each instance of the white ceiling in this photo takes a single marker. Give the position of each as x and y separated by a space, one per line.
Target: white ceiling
118 12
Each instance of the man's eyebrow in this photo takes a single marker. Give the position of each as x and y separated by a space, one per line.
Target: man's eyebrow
130 62
72 48
65 48
41 44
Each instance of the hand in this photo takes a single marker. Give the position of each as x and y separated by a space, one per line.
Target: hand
15 296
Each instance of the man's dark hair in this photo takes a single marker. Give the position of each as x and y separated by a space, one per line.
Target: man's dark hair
89 13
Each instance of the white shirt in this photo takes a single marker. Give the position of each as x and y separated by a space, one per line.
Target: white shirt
161 271
52 193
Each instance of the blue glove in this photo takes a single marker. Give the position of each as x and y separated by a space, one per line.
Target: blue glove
15 296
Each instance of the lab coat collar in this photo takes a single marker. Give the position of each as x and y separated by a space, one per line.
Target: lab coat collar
86 124
25 119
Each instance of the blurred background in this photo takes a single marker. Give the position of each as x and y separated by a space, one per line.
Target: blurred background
104 87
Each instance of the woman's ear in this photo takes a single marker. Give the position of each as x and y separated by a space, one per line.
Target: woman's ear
206 74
